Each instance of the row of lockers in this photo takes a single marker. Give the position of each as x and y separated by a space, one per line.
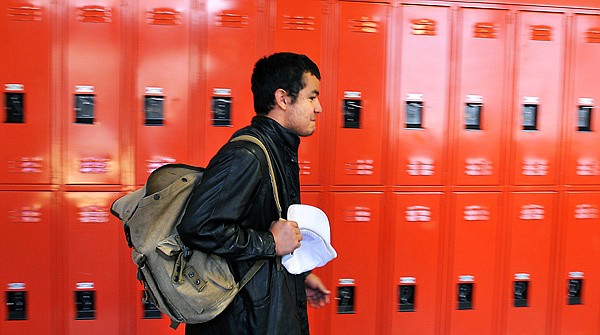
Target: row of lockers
409 263
429 94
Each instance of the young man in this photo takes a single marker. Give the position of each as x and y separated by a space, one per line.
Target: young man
232 213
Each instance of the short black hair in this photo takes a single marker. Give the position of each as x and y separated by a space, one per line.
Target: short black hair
280 70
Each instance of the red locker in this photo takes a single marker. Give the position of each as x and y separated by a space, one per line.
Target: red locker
527 283
480 102
423 71
537 104
472 291
93 119
361 116
93 243
162 115
25 123
582 126
29 261
232 31
355 235
303 21
578 285
416 263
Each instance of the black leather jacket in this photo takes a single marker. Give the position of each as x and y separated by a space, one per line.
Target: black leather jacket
229 214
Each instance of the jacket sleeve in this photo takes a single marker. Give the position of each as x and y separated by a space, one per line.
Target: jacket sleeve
218 218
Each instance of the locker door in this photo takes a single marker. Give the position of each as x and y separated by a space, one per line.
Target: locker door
530 250
536 119
163 60
232 31
355 236
93 119
303 21
480 116
583 124
578 285
422 100
472 290
93 241
361 56
26 271
25 123
416 263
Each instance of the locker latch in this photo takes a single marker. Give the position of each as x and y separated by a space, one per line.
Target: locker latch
584 118
16 303
530 113
574 294
14 107
84 108
352 109
473 116
150 310
520 293
221 107
85 305
406 298
345 299
465 296
153 110
414 114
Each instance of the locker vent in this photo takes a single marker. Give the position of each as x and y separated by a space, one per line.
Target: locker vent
26 12
93 214
361 167
27 214
532 212
298 22
418 214
94 14
357 214
305 167
586 211
588 167
476 213
164 16
156 162
363 24
232 20
541 33
425 27
94 165
485 30
593 35
25 165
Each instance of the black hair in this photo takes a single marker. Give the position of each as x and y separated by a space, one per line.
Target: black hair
280 70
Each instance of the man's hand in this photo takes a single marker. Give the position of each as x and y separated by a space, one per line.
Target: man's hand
287 236
317 294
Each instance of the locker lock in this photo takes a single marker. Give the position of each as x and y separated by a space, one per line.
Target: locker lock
520 288
584 118
345 299
153 110
14 107
85 305
574 293
465 296
221 107
16 304
473 116
406 298
84 108
414 114
530 116
352 109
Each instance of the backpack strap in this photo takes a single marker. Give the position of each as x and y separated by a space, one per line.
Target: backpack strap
249 138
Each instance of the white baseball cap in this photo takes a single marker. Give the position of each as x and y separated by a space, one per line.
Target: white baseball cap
315 249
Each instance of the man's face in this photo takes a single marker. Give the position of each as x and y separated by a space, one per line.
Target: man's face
301 116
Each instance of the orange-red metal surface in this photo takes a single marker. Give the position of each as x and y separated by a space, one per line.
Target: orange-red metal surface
232 39
361 56
582 162
303 21
475 243
162 65
530 258
482 84
423 56
416 262
580 261
93 69
25 61
538 86
29 261
93 240
356 226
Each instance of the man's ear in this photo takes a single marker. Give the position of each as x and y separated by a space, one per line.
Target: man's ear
280 98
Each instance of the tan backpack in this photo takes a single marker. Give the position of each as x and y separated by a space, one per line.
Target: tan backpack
189 286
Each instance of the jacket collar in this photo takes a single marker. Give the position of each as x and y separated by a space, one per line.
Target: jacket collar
277 132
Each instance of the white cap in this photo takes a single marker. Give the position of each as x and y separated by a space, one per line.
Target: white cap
315 249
